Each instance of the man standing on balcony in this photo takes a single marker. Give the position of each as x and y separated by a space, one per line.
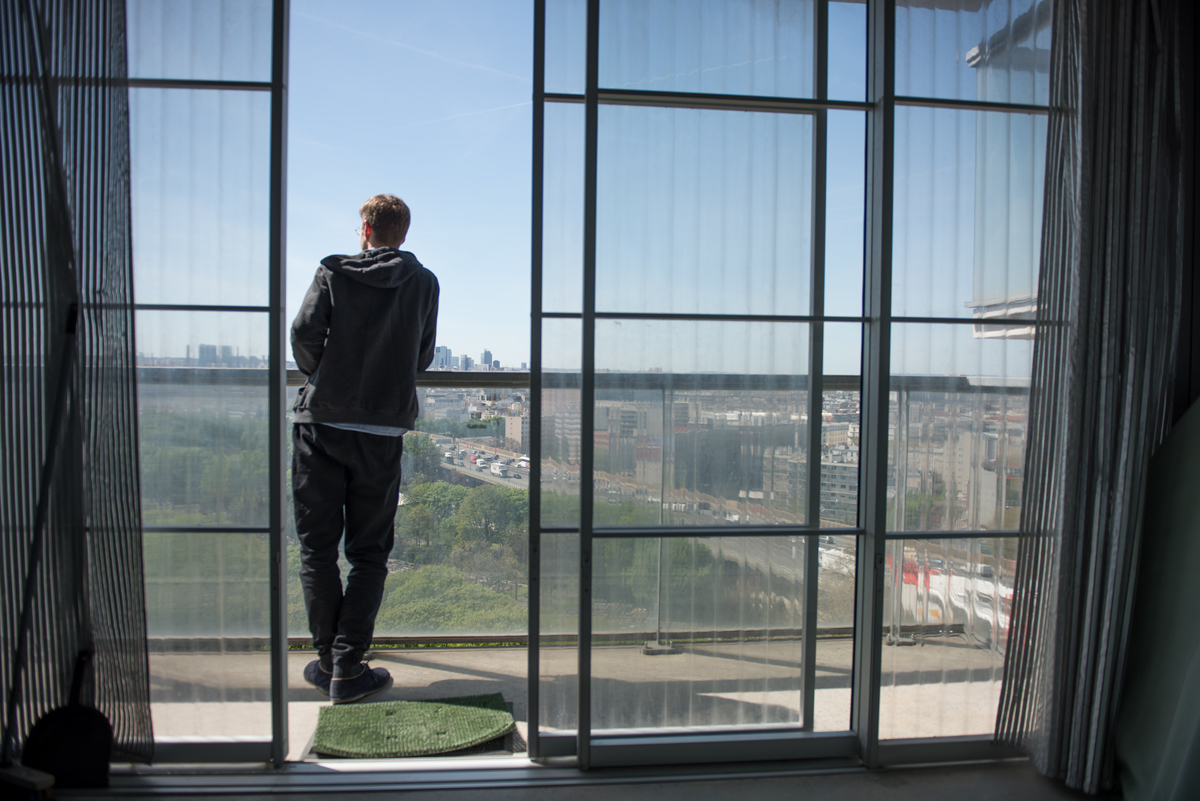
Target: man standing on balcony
365 328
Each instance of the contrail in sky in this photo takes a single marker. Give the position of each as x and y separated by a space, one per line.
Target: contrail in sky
410 48
459 116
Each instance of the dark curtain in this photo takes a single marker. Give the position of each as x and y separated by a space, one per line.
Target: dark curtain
65 239
1109 310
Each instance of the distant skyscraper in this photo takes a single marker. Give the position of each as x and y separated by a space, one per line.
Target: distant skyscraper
496 364
441 356
207 355
466 362
486 358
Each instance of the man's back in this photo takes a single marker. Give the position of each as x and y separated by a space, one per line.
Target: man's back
366 327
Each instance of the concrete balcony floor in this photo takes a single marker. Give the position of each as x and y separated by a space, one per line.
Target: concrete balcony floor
941 686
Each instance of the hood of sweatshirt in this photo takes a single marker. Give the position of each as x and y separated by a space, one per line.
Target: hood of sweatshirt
378 267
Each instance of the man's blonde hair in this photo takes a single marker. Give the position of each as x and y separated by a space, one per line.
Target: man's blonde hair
388 217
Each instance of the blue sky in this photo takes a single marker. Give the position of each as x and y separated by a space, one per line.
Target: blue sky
429 101
700 211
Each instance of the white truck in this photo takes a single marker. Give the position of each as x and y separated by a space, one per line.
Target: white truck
499 469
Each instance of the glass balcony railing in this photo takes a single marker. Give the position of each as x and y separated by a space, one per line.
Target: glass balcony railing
699 451
671 450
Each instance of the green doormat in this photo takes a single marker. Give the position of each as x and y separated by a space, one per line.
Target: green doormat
411 728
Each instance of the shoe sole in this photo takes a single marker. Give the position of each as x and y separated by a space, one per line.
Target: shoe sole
361 696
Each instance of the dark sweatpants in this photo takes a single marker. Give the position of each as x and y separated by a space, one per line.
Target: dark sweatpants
344 481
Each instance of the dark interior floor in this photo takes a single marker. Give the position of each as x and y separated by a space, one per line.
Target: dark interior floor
1014 779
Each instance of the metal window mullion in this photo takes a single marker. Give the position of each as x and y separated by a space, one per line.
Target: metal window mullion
533 666
197 307
277 391
965 534
206 529
816 367
721 102
731 532
1011 322
202 84
721 318
970 105
877 350
587 410
713 101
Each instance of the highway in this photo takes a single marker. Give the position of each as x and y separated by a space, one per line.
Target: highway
487 477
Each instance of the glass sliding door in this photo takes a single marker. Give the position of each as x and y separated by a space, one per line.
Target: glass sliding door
971 87
767 277
205 107
704 438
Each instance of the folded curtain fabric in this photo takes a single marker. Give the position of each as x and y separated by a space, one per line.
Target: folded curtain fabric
1108 322
65 239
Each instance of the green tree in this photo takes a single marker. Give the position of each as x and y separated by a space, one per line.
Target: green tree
440 497
626 513
421 462
420 527
439 599
560 509
206 584
207 466
419 538
496 566
425 524
489 511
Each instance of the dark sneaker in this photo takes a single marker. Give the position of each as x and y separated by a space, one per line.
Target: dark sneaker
368 680
317 676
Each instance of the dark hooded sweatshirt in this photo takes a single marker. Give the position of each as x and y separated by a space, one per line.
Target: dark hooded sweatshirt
365 328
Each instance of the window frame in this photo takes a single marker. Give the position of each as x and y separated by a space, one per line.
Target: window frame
862 740
877 385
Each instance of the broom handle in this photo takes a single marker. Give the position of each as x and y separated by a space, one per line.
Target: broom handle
81 663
